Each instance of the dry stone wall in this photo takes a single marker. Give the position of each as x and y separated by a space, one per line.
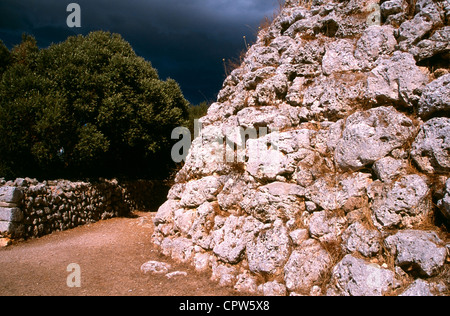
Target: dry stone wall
29 208
352 197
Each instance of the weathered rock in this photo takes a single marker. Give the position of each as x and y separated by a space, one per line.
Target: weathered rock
201 262
182 249
230 241
419 288
183 220
427 17
206 155
203 222
303 59
11 214
435 97
306 153
273 288
11 229
253 78
405 204
332 96
271 91
444 203
396 80
387 169
326 227
359 238
437 44
10 194
356 277
200 191
273 118
431 149
275 200
176 191
332 192
417 250
371 135
164 217
376 41
270 251
155 267
276 153
224 274
392 7
246 283
298 236
174 274
306 265
339 57
233 193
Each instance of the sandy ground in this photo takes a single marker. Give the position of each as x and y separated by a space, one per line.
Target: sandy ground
109 254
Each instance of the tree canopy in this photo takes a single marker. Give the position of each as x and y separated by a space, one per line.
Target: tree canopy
86 107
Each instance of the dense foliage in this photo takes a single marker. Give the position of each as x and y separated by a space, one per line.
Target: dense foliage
196 112
86 107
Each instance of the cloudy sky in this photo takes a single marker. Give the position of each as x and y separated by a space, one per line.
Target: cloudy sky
184 39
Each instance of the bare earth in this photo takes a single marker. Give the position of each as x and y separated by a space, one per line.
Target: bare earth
109 253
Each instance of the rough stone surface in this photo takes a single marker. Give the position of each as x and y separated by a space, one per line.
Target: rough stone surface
198 192
376 41
269 202
224 274
356 277
437 44
419 288
331 193
325 227
444 203
305 266
246 283
431 149
175 274
361 239
155 267
270 250
11 229
230 241
372 135
10 194
427 17
273 288
406 203
397 80
339 57
435 97
330 137
11 214
419 251
388 168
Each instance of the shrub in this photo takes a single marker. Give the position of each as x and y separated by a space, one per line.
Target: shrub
86 107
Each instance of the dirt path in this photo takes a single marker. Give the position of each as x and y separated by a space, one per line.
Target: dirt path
109 253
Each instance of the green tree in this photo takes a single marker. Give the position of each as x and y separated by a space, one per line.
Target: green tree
196 112
86 107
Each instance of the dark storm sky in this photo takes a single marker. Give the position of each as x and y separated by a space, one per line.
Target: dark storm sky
184 39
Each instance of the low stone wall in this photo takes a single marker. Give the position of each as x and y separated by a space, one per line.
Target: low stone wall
29 208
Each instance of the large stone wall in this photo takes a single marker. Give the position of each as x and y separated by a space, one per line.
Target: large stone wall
346 192
29 208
